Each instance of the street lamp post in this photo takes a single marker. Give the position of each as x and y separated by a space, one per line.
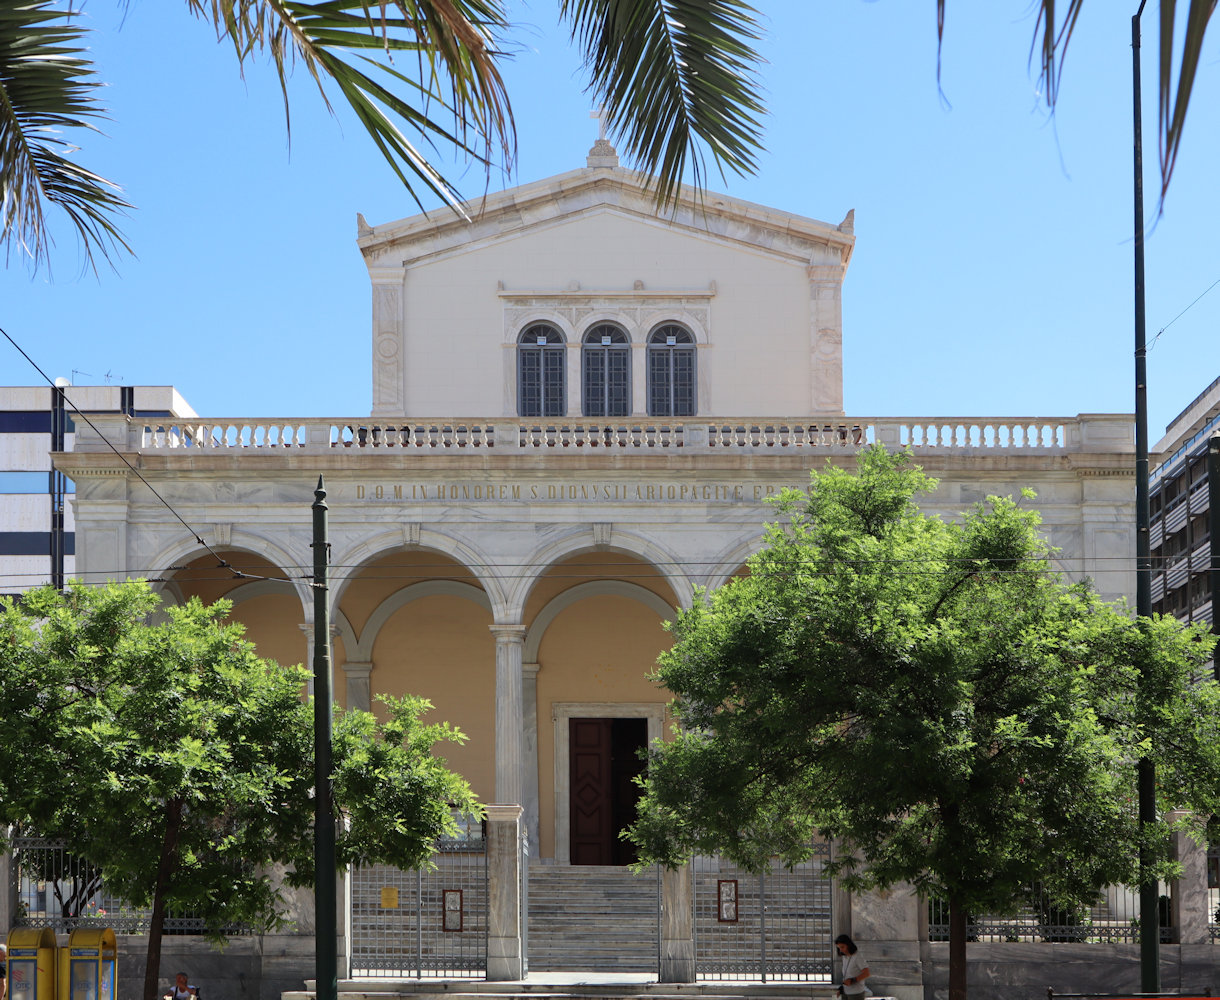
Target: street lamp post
1150 924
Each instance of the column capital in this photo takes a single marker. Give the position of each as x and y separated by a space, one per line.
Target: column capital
509 633
357 668
308 629
530 669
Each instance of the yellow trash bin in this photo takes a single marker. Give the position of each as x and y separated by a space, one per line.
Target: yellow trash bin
87 965
31 963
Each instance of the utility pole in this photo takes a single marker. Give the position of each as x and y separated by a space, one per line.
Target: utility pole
1150 911
325 876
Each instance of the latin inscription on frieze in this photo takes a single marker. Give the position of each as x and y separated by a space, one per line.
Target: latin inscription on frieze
468 491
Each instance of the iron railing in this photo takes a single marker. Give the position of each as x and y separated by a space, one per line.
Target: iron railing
1113 919
774 926
57 889
423 923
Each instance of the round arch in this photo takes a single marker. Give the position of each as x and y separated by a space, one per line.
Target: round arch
362 648
729 560
577 542
366 550
595 588
663 317
241 540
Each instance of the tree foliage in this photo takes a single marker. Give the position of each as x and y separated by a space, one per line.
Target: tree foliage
933 695
180 764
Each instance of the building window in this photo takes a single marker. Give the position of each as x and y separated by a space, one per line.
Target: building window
541 363
606 372
671 372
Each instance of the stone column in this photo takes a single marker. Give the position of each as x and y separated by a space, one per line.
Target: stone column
677 926
505 955
359 685
510 641
529 715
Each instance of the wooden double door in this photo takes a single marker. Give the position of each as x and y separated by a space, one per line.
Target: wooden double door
604 760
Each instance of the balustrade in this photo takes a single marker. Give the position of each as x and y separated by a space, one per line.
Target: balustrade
743 435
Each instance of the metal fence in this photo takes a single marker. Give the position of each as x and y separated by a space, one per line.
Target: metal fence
63 891
425 922
1113 919
773 926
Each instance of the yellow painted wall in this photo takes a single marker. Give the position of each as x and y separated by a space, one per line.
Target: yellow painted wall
390 573
442 649
203 579
273 624
599 649
591 566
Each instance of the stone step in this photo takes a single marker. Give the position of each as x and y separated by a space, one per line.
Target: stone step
550 987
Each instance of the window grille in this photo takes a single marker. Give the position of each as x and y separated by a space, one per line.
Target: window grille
671 372
541 367
606 372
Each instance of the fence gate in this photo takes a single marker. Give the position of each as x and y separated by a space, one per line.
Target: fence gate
423 923
774 926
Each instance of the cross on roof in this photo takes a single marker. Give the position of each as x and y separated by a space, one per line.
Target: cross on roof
600 115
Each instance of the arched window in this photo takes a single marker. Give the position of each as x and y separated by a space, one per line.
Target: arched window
671 372
541 363
606 372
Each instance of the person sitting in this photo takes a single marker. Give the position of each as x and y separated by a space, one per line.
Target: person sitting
180 989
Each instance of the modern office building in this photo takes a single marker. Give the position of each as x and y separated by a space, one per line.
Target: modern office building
37 527
1184 507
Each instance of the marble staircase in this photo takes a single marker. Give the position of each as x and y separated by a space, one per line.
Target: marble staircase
596 919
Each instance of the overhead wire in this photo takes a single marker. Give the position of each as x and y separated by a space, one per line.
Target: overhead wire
221 562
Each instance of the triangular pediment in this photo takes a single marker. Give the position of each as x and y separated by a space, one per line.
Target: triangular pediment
592 191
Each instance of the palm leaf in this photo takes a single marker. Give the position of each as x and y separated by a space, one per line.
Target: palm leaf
1172 106
46 88
676 77
458 98
1052 35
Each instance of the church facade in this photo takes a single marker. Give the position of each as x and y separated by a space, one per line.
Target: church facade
580 410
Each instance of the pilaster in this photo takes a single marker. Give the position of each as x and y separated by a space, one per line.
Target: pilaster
529 734
359 690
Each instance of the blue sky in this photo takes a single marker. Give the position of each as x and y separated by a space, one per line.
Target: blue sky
993 267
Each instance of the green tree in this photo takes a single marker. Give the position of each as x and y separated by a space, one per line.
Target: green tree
180 764
933 695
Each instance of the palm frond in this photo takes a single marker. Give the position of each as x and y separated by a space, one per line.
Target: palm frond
677 77
46 89
1172 106
1053 32
459 98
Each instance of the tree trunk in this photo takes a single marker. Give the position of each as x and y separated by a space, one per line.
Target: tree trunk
957 949
169 856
